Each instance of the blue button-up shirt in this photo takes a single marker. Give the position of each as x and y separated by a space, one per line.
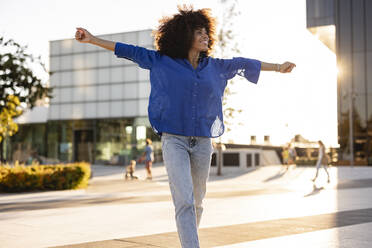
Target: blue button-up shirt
183 100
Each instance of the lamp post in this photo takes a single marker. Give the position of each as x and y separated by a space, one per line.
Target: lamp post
351 125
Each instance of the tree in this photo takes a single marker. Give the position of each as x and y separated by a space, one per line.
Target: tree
226 45
20 87
7 126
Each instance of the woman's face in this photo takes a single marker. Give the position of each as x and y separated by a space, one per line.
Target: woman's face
201 39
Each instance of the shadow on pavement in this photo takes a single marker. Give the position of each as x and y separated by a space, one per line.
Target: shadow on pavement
316 190
278 175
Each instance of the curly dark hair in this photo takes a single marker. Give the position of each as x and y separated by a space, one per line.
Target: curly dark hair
175 34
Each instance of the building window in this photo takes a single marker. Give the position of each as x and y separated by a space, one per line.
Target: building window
249 160
256 159
231 159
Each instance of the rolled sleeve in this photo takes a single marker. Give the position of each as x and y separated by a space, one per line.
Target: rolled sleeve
145 58
245 67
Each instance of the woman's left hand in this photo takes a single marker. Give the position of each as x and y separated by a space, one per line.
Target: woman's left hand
287 67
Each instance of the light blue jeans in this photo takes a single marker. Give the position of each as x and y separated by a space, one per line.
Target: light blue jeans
187 160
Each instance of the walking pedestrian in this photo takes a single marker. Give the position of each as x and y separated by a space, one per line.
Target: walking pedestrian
322 161
185 105
285 155
292 154
149 158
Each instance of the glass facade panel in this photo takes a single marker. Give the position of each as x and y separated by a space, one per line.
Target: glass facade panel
54 79
114 142
66 141
145 38
117 74
358 26
78 94
28 143
91 76
143 75
115 61
130 38
144 89
77 110
369 105
344 27
91 60
66 94
90 93
90 110
66 78
108 141
54 63
117 91
142 107
116 108
66 46
53 139
103 75
65 111
130 73
103 92
78 61
91 48
103 109
54 47
117 37
78 47
56 96
368 9
79 77
130 90
54 112
130 108
104 59
66 62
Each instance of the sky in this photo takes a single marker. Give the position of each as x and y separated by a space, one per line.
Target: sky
280 105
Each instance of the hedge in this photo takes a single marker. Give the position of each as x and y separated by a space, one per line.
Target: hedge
20 178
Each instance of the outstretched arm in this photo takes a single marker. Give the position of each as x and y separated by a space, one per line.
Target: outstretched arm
283 68
82 35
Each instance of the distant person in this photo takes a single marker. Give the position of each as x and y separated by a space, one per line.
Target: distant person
323 160
185 103
285 156
292 154
149 158
130 169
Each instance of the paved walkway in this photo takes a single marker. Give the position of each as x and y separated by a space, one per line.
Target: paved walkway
266 207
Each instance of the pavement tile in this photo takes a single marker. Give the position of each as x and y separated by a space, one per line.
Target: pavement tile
104 244
259 198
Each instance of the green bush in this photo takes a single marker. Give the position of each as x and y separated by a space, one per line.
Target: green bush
20 178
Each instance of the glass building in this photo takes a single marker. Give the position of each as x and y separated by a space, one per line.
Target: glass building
345 26
98 112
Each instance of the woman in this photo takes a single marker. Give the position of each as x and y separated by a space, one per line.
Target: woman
322 161
149 158
185 105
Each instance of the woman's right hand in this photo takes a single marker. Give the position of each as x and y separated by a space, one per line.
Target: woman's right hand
82 35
